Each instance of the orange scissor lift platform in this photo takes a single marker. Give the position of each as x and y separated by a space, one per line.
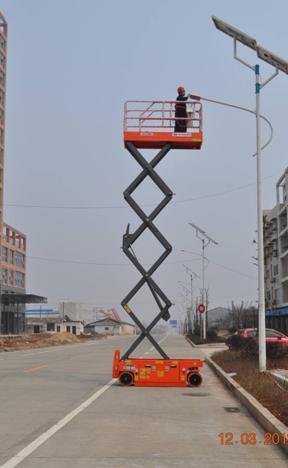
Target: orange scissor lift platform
148 125
157 372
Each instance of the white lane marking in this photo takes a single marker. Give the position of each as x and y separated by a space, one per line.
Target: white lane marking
32 353
39 352
24 453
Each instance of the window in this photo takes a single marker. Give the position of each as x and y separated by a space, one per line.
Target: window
36 328
11 257
252 333
19 279
4 254
68 329
58 328
11 277
50 326
2 59
20 259
273 334
5 275
2 42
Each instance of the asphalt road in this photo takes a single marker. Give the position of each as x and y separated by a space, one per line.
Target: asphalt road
44 423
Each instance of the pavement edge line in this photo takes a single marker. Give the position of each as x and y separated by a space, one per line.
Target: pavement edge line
30 448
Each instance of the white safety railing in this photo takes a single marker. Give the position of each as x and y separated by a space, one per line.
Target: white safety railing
159 116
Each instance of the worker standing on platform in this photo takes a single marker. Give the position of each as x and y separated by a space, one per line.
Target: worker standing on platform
180 111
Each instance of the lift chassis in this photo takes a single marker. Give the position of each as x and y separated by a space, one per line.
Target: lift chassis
162 371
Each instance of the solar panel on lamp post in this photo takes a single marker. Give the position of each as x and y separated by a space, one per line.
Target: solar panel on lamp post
279 64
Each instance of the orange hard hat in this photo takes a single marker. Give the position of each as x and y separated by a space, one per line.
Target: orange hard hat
181 90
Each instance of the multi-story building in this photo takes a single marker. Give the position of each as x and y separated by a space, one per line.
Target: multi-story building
275 231
3 56
13 279
12 242
13 260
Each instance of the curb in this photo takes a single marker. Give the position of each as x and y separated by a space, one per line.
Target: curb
281 379
263 416
191 342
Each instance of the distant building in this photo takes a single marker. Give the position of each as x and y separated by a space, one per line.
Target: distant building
219 317
85 313
42 312
109 326
275 233
49 326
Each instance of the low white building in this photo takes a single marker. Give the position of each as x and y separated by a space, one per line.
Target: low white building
50 326
109 326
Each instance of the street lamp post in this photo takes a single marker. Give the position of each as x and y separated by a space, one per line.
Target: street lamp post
206 240
282 65
192 276
186 290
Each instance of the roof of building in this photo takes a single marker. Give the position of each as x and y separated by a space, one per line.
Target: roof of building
219 309
15 298
108 320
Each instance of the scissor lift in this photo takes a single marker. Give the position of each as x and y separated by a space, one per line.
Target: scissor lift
150 124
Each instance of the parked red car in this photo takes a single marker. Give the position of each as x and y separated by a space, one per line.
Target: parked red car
272 336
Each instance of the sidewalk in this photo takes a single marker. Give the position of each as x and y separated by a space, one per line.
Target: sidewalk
210 348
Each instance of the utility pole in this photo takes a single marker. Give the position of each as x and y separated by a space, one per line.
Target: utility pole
187 293
205 240
206 307
192 276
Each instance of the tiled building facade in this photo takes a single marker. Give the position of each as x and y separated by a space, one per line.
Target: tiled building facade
12 241
13 259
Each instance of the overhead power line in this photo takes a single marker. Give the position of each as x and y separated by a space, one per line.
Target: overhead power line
116 207
107 264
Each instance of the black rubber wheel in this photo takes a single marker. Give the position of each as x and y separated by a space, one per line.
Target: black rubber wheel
126 378
194 380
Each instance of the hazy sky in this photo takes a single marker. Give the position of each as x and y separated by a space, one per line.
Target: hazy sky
71 66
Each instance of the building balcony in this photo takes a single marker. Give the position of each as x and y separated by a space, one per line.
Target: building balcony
282 209
284 254
283 230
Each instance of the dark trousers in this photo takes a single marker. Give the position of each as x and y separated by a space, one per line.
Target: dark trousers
180 125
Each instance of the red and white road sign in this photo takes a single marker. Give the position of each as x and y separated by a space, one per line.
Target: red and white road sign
201 308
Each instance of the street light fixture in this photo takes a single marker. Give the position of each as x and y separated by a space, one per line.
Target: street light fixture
235 33
279 64
206 240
